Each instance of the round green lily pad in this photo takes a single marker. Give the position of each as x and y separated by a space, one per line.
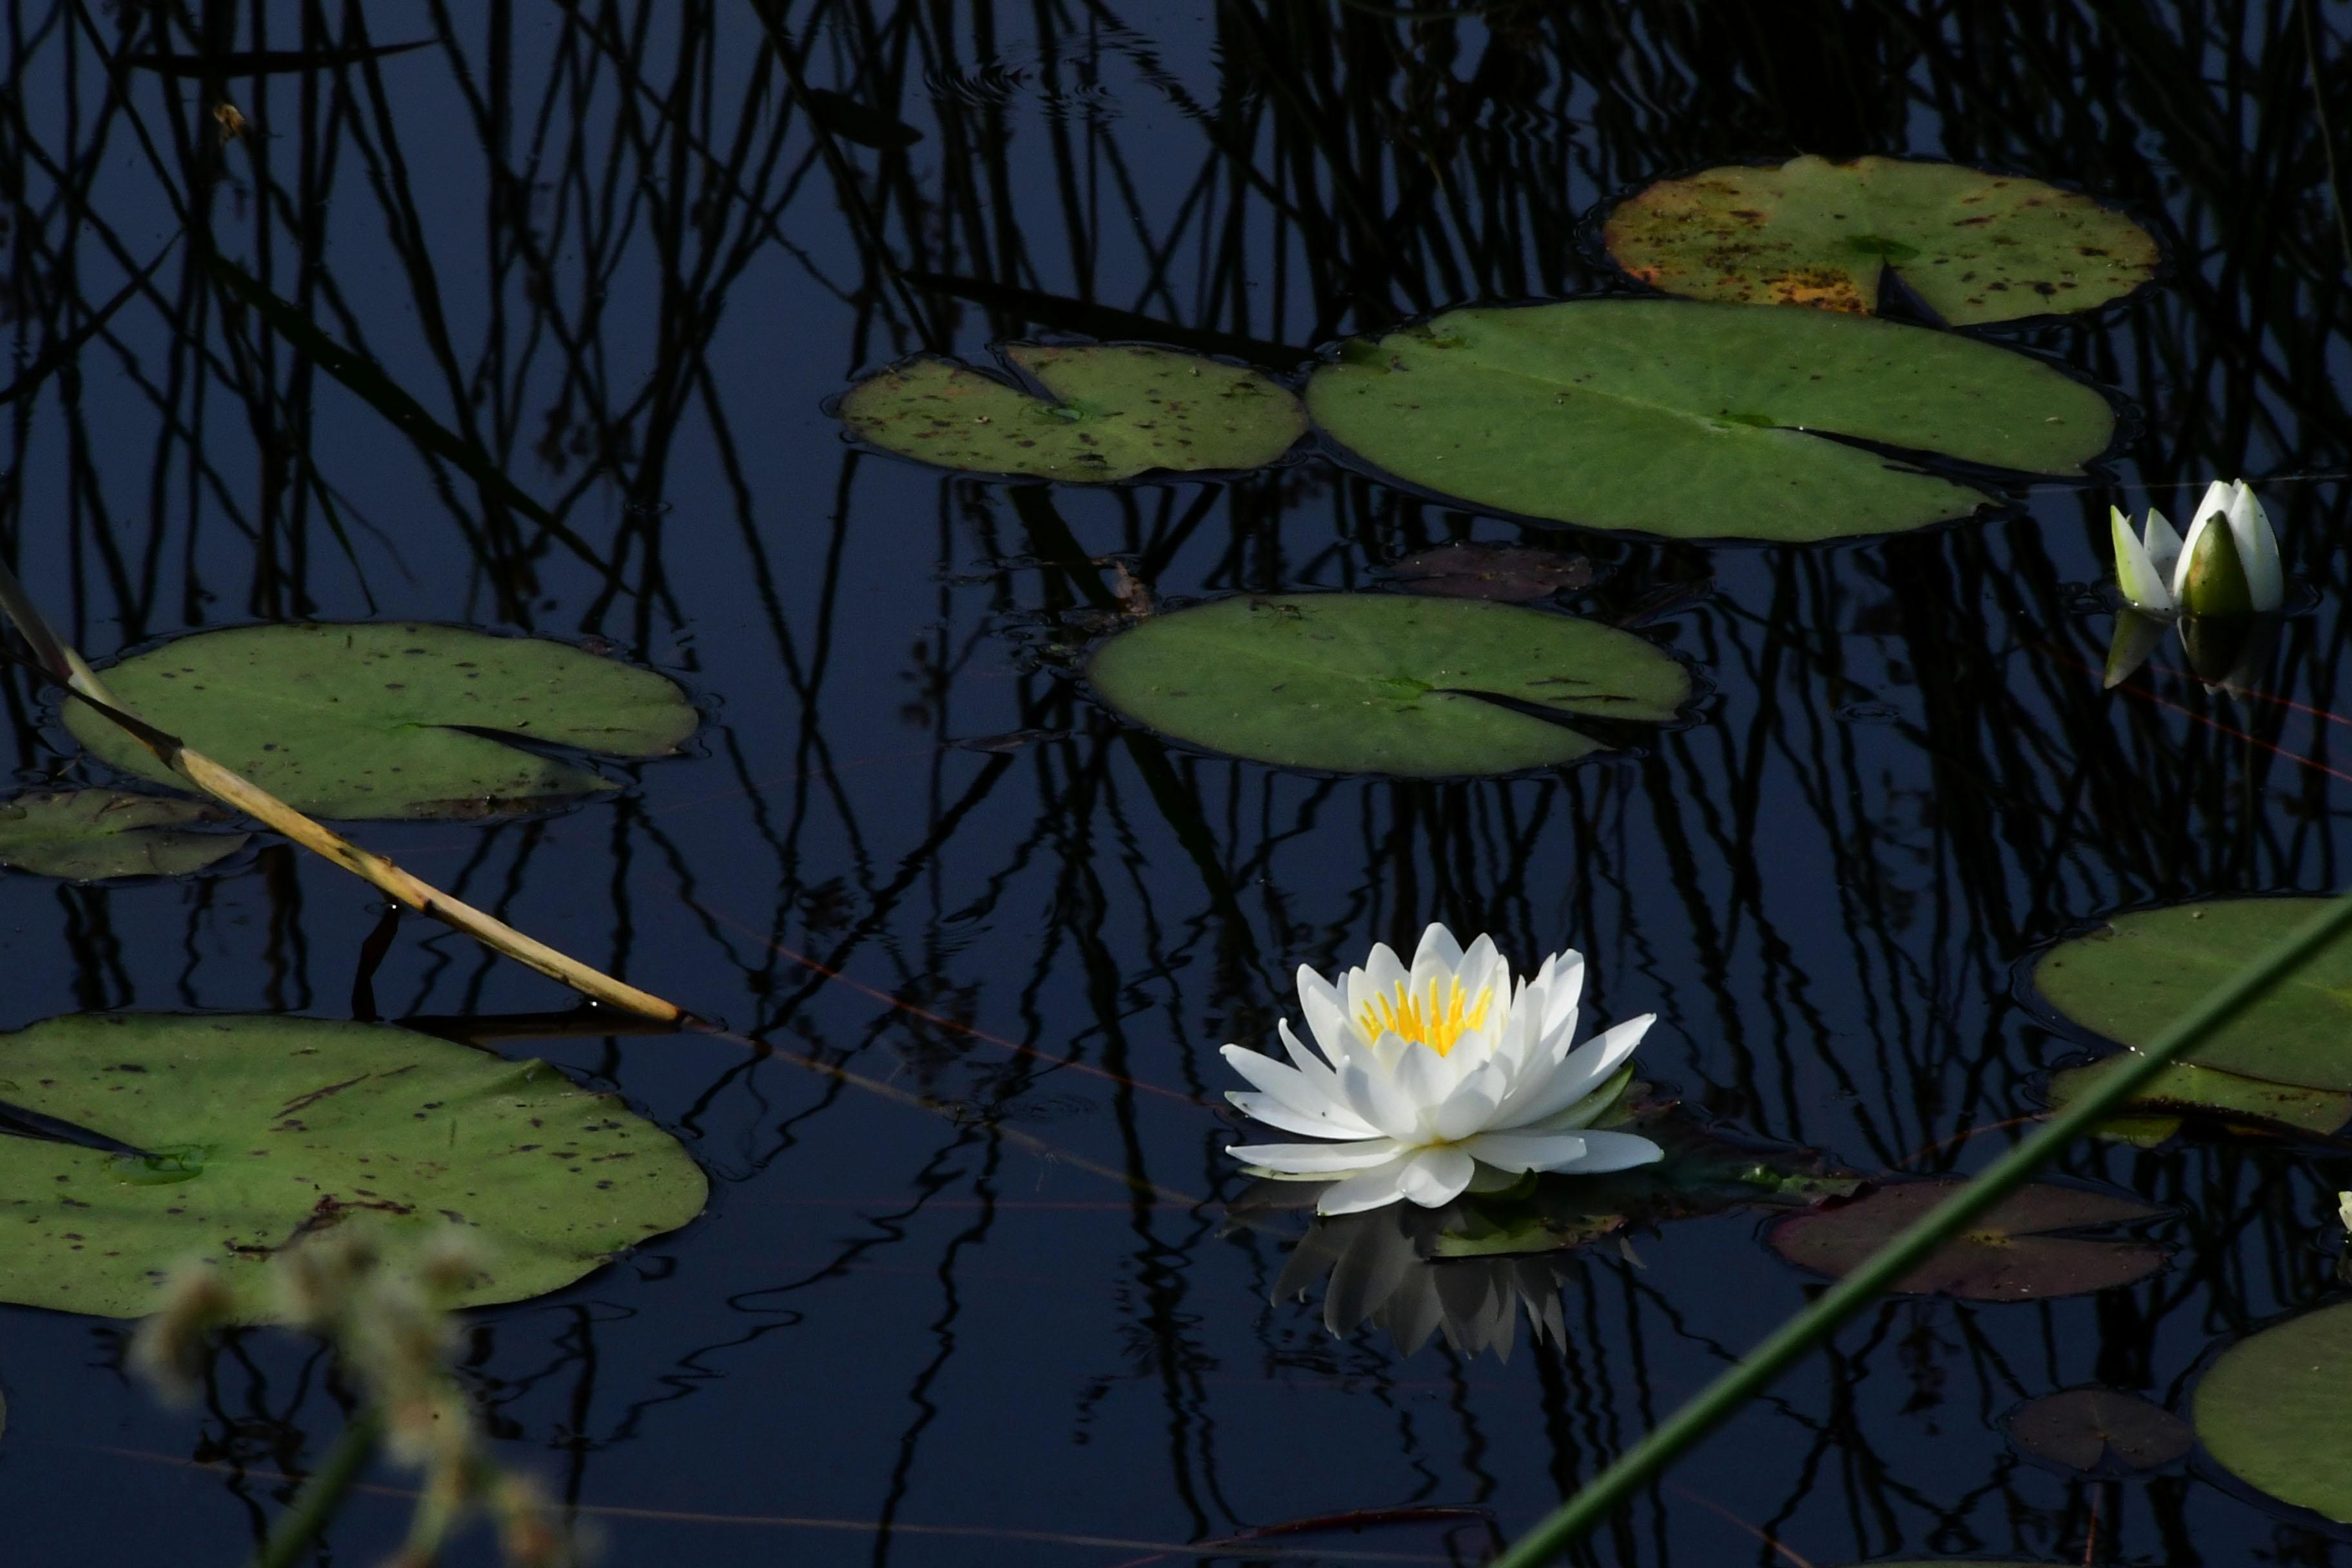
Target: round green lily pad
2136 977
1974 247
2099 1431
89 835
1381 683
1700 421
1119 410
2021 1251
253 1131
2275 1408
375 720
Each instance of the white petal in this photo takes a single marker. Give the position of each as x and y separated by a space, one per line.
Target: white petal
2163 544
1316 1159
1311 1064
1374 1189
2143 584
1422 1081
1471 1106
1525 1150
2189 548
1286 1118
1613 1151
1587 1069
2216 503
1381 974
1326 1011
1438 956
1306 1095
1436 1177
1373 1096
1562 993
2257 548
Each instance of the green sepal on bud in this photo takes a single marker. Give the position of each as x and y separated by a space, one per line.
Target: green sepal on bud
2215 583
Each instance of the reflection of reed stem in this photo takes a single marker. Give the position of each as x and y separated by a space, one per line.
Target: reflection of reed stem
60 663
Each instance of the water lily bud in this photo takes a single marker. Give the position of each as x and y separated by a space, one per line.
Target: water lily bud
2213 579
2137 572
2250 528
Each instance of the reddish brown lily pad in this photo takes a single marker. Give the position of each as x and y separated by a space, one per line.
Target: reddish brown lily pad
2099 1431
1514 573
2022 1251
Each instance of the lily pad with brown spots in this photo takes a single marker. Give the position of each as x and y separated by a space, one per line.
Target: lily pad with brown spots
387 719
220 1138
1111 411
1974 247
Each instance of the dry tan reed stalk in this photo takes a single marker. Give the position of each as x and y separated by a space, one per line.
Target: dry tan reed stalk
60 662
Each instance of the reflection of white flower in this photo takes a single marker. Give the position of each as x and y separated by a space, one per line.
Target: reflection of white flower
1376 1271
1438 1079
2228 564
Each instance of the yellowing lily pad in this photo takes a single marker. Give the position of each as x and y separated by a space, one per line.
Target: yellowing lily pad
1700 421
250 1133
372 721
2132 980
1382 683
90 835
2024 1249
2274 1408
1974 247
1116 410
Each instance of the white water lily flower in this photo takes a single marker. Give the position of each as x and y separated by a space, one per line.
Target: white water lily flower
2344 1209
2234 572
1438 1078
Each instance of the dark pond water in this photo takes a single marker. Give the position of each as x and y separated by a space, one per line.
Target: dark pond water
968 1290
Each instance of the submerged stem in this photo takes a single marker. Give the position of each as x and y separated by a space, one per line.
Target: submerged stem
1723 1398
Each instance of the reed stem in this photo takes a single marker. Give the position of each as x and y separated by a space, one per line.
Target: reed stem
1723 1398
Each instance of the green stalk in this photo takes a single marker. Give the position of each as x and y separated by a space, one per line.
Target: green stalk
1723 1398
316 1503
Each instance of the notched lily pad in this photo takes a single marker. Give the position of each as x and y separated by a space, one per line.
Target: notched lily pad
91 835
2130 981
1118 410
374 721
1700 421
1508 574
2274 1409
2183 1092
1382 683
2022 1251
1973 247
2099 1431
249 1132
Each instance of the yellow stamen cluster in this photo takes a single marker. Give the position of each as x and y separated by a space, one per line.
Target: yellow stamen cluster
1436 1023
